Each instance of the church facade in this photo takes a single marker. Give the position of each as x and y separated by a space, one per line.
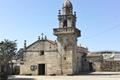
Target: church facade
61 57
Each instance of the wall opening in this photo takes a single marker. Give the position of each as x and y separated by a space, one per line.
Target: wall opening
41 69
64 58
42 52
91 67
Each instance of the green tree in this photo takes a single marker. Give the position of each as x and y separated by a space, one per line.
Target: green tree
7 53
7 50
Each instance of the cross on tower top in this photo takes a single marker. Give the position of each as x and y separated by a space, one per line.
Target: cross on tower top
42 35
38 37
25 42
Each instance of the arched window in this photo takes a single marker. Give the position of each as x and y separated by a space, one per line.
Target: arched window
65 23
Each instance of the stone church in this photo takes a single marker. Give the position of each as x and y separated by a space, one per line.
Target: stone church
60 57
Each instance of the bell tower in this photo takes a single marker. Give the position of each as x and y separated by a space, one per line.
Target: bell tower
67 35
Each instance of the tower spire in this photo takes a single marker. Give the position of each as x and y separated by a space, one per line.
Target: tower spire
67 7
66 16
67 3
67 20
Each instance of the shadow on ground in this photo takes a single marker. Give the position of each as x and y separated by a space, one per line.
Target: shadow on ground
16 78
21 79
98 74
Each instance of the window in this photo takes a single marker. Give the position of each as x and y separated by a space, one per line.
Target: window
65 23
85 59
42 52
64 58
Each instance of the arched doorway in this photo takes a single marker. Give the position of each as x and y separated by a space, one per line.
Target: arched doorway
91 67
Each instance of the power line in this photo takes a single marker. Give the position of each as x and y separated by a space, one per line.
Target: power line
104 32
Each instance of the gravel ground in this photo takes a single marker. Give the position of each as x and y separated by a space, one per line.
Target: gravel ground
92 76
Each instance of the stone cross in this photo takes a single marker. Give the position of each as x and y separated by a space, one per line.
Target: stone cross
42 35
25 44
38 37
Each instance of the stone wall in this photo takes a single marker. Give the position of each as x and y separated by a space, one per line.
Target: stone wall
52 63
40 52
113 66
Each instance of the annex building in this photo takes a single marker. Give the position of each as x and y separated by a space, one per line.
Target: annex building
104 61
61 57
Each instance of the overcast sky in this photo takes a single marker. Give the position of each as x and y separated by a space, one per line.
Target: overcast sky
98 20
